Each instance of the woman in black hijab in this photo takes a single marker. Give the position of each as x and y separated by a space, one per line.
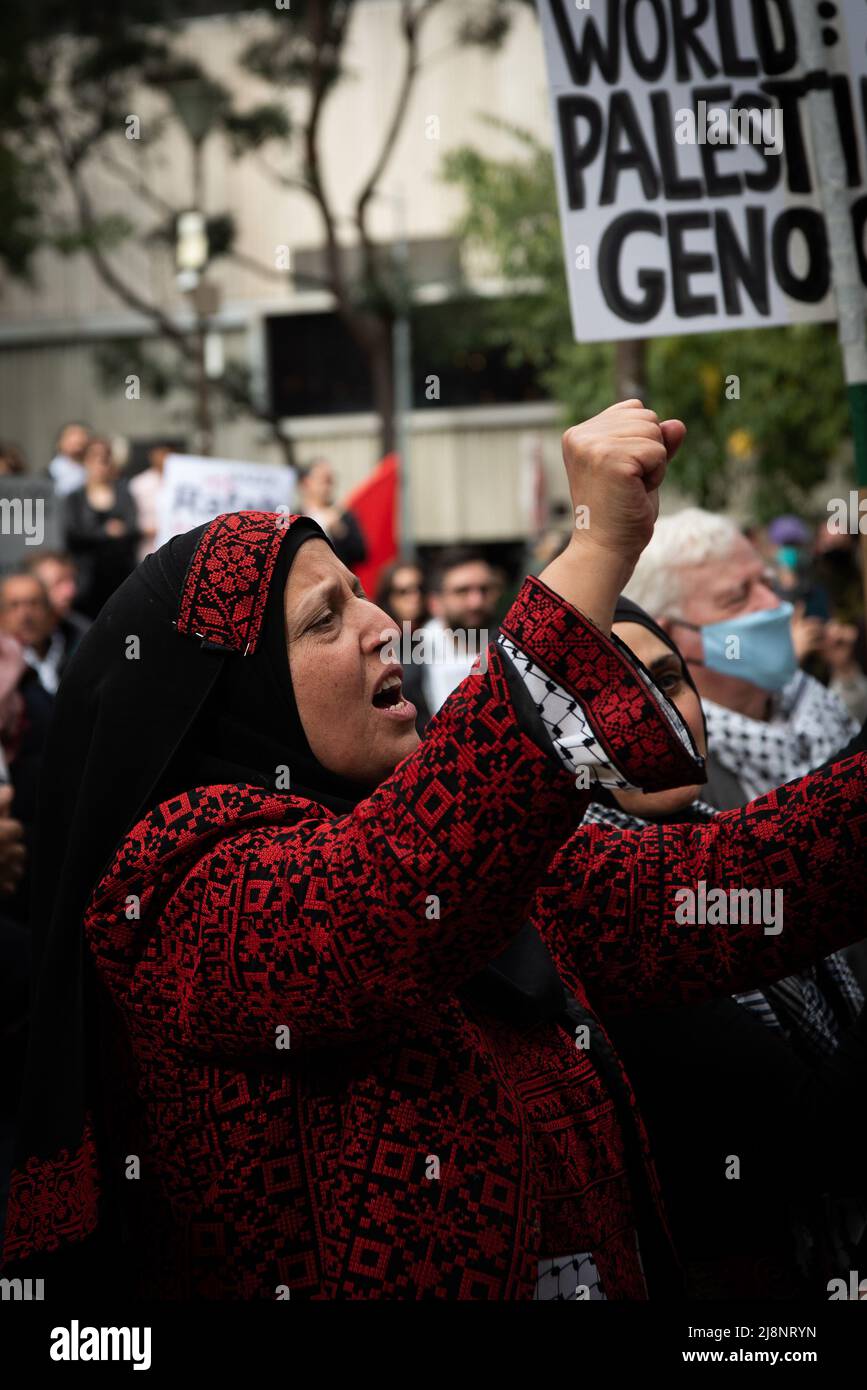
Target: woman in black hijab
262 902
231 1062
725 1077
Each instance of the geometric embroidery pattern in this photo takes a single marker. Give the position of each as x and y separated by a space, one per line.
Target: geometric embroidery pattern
52 1201
226 586
643 737
406 1144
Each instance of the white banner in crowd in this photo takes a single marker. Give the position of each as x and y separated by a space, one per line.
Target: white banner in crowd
687 190
198 489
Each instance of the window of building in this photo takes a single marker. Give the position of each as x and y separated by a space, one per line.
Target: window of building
315 366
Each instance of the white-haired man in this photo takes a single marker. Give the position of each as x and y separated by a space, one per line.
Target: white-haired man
767 721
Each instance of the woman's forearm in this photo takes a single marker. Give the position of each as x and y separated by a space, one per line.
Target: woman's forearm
678 913
590 578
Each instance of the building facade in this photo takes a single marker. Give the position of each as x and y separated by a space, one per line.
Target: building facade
472 458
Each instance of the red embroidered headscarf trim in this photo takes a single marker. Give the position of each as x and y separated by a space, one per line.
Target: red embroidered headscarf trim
226 587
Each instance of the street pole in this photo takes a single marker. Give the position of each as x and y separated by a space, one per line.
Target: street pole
402 370
197 103
630 378
830 165
203 404
203 391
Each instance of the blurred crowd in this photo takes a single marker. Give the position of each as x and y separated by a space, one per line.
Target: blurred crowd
108 522
796 692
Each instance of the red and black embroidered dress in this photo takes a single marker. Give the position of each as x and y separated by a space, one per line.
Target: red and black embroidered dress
315 1104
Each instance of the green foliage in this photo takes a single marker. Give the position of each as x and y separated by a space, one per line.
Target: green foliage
79 77
792 405
236 384
21 182
791 415
70 77
118 358
283 57
107 233
487 25
115 56
165 379
249 129
25 185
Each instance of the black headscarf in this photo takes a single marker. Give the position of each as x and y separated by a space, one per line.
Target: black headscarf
147 708
628 612
249 727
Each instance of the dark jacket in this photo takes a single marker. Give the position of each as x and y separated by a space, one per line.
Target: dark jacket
351 547
103 560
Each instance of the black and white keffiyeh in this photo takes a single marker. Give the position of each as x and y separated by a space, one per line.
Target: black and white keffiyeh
808 724
568 727
569 1278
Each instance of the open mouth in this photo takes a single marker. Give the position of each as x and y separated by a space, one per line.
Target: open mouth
391 700
389 694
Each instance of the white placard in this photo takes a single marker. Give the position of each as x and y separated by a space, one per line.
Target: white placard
686 223
195 490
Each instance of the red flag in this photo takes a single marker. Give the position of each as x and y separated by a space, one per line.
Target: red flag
373 503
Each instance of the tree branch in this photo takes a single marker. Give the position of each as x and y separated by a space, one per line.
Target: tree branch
410 24
411 21
100 262
188 349
277 176
137 185
317 33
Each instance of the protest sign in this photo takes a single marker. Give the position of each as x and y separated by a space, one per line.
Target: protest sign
198 489
688 191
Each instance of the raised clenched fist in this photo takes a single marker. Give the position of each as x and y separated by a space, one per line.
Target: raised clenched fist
615 463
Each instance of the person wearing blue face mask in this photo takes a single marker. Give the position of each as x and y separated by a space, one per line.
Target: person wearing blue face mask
758 646
768 722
